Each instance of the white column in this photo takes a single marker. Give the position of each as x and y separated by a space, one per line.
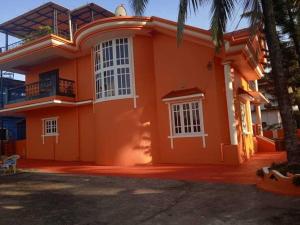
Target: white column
230 103
258 114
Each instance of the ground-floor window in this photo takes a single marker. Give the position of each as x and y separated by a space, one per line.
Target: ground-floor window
186 118
50 126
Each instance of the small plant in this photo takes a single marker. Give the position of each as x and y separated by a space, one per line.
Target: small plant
296 180
280 167
285 168
41 31
260 173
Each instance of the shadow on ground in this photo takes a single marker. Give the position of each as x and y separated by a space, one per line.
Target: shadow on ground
49 199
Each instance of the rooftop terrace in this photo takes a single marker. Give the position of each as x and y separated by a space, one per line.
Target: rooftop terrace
50 18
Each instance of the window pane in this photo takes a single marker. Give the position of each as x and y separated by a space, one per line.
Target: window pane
177 120
187 118
109 84
99 85
196 117
107 49
122 51
123 81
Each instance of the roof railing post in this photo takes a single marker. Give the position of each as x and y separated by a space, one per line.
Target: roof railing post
92 15
70 27
6 41
55 28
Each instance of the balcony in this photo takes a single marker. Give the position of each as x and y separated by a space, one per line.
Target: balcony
50 18
34 36
40 89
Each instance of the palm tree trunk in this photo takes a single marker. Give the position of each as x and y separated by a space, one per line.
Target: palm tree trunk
280 81
293 30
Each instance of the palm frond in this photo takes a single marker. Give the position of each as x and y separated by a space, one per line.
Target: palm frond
222 11
138 6
186 6
253 12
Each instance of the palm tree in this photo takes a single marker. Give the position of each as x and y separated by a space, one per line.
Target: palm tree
287 15
261 11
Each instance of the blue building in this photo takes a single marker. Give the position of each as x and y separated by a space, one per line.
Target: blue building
11 127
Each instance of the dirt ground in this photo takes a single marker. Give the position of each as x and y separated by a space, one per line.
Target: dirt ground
52 199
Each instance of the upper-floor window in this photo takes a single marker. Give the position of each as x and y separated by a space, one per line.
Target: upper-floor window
113 72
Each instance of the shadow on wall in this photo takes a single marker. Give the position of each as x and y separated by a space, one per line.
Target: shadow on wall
129 138
246 145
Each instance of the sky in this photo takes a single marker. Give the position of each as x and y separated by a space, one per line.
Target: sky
167 9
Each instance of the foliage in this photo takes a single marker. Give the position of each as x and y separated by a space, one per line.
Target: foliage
260 173
40 32
285 168
296 180
288 32
274 126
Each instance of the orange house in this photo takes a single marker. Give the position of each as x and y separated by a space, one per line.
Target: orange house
116 90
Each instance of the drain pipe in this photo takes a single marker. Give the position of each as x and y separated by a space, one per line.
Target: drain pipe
222 152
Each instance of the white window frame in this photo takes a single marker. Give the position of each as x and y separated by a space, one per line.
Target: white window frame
99 69
183 126
180 101
52 133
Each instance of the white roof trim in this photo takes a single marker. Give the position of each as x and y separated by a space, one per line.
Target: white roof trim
52 102
183 97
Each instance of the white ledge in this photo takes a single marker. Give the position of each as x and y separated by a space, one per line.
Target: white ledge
188 136
183 97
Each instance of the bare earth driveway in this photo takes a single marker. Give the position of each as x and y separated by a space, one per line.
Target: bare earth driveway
40 198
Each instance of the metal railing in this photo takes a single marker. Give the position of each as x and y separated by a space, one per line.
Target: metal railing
30 38
40 89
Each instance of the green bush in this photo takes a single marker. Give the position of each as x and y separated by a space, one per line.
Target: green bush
296 180
260 173
280 167
41 31
297 117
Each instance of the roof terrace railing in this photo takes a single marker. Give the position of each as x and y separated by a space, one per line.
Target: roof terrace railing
40 89
33 37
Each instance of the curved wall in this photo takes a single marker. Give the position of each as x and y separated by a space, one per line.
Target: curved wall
126 135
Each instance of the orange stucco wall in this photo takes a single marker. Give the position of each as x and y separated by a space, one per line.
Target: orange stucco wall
186 67
115 133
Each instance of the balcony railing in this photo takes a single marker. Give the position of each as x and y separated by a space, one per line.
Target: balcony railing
41 89
32 37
